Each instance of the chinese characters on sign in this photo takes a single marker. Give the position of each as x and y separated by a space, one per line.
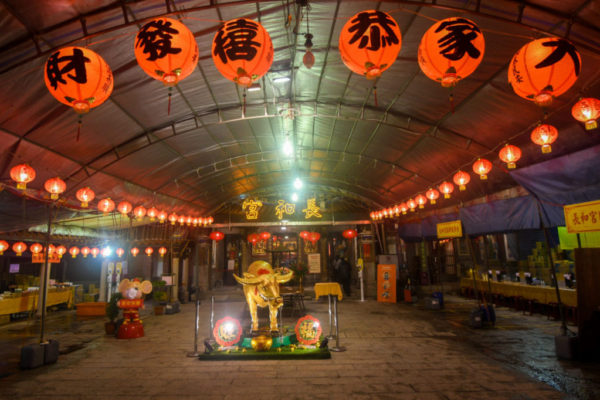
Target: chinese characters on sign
284 208
583 217
252 207
308 330
451 229
312 209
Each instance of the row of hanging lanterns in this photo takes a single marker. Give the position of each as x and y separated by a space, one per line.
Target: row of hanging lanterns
36 248
22 174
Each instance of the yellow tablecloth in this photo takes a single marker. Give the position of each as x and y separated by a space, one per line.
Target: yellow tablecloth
328 288
29 301
542 294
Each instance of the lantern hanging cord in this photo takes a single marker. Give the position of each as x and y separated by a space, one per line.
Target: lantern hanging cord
375 95
169 104
244 104
79 122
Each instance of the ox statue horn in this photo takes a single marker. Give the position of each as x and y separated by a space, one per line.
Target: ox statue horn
261 289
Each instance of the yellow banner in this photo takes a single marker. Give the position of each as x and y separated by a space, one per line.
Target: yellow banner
583 217
449 229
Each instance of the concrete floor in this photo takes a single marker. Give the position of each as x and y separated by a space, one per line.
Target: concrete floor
394 351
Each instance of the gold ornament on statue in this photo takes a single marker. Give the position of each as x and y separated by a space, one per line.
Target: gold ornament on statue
261 343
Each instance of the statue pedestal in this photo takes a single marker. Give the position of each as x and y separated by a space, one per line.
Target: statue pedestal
131 330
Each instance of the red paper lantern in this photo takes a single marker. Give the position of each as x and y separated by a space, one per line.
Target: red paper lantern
253 238
106 205
242 51
120 252
85 195
411 204
403 208
22 174
36 248
79 78
421 200
189 220
139 212
314 237
461 179
182 219
74 251
432 195
85 251
210 220
372 215
543 69
149 251
162 216
446 188
510 155
350 233
544 135
370 42
587 111
3 246
55 186
195 221
51 249
124 207
304 235
19 247
134 251
482 167
385 213
166 50
162 251
217 235
173 218
264 236
61 250
442 59
95 251
152 213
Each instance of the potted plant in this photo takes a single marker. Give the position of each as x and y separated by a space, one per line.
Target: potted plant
159 295
112 312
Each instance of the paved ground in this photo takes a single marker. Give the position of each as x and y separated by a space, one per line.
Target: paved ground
394 351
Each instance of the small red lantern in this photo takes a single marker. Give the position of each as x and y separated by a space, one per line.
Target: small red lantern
372 215
120 252
210 220
446 188
139 212
149 251
189 220
134 251
124 207
482 167
403 208
173 218
51 249
162 216
22 174
350 233
217 235
242 51
253 238
440 56
61 250
587 111
152 213
411 204
162 251
106 205
304 235
3 246
195 221
264 236
85 195
95 251
385 213
510 155
314 237
85 251
55 186
181 219
432 195
36 248
461 178
421 200
370 42
544 135
74 251
19 248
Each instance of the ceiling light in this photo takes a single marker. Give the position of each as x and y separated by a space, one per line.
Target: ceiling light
288 149
294 197
298 183
254 88
281 79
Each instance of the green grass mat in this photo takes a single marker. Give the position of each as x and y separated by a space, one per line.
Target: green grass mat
284 354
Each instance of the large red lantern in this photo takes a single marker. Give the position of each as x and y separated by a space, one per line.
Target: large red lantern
124 207
152 213
85 195
173 218
253 238
587 111
447 188
510 155
166 50
85 251
139 212
432 195
106 205
3 246
543 69
149 251
162 216
403 208
350 233
95 251
55 186
242 51
314 237
182 219
22 174
451 50
61 250
264 236
304 235
482 167
217 235
411 204
36 248
134 251
74 251
544 135
370 42
19 248
421 200
461 178
79 78
162 251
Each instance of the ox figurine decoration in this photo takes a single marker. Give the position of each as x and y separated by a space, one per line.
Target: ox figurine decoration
261 288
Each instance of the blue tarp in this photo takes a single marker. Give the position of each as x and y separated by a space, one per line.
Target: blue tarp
501 216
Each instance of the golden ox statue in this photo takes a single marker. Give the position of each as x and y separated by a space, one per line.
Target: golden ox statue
261 288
